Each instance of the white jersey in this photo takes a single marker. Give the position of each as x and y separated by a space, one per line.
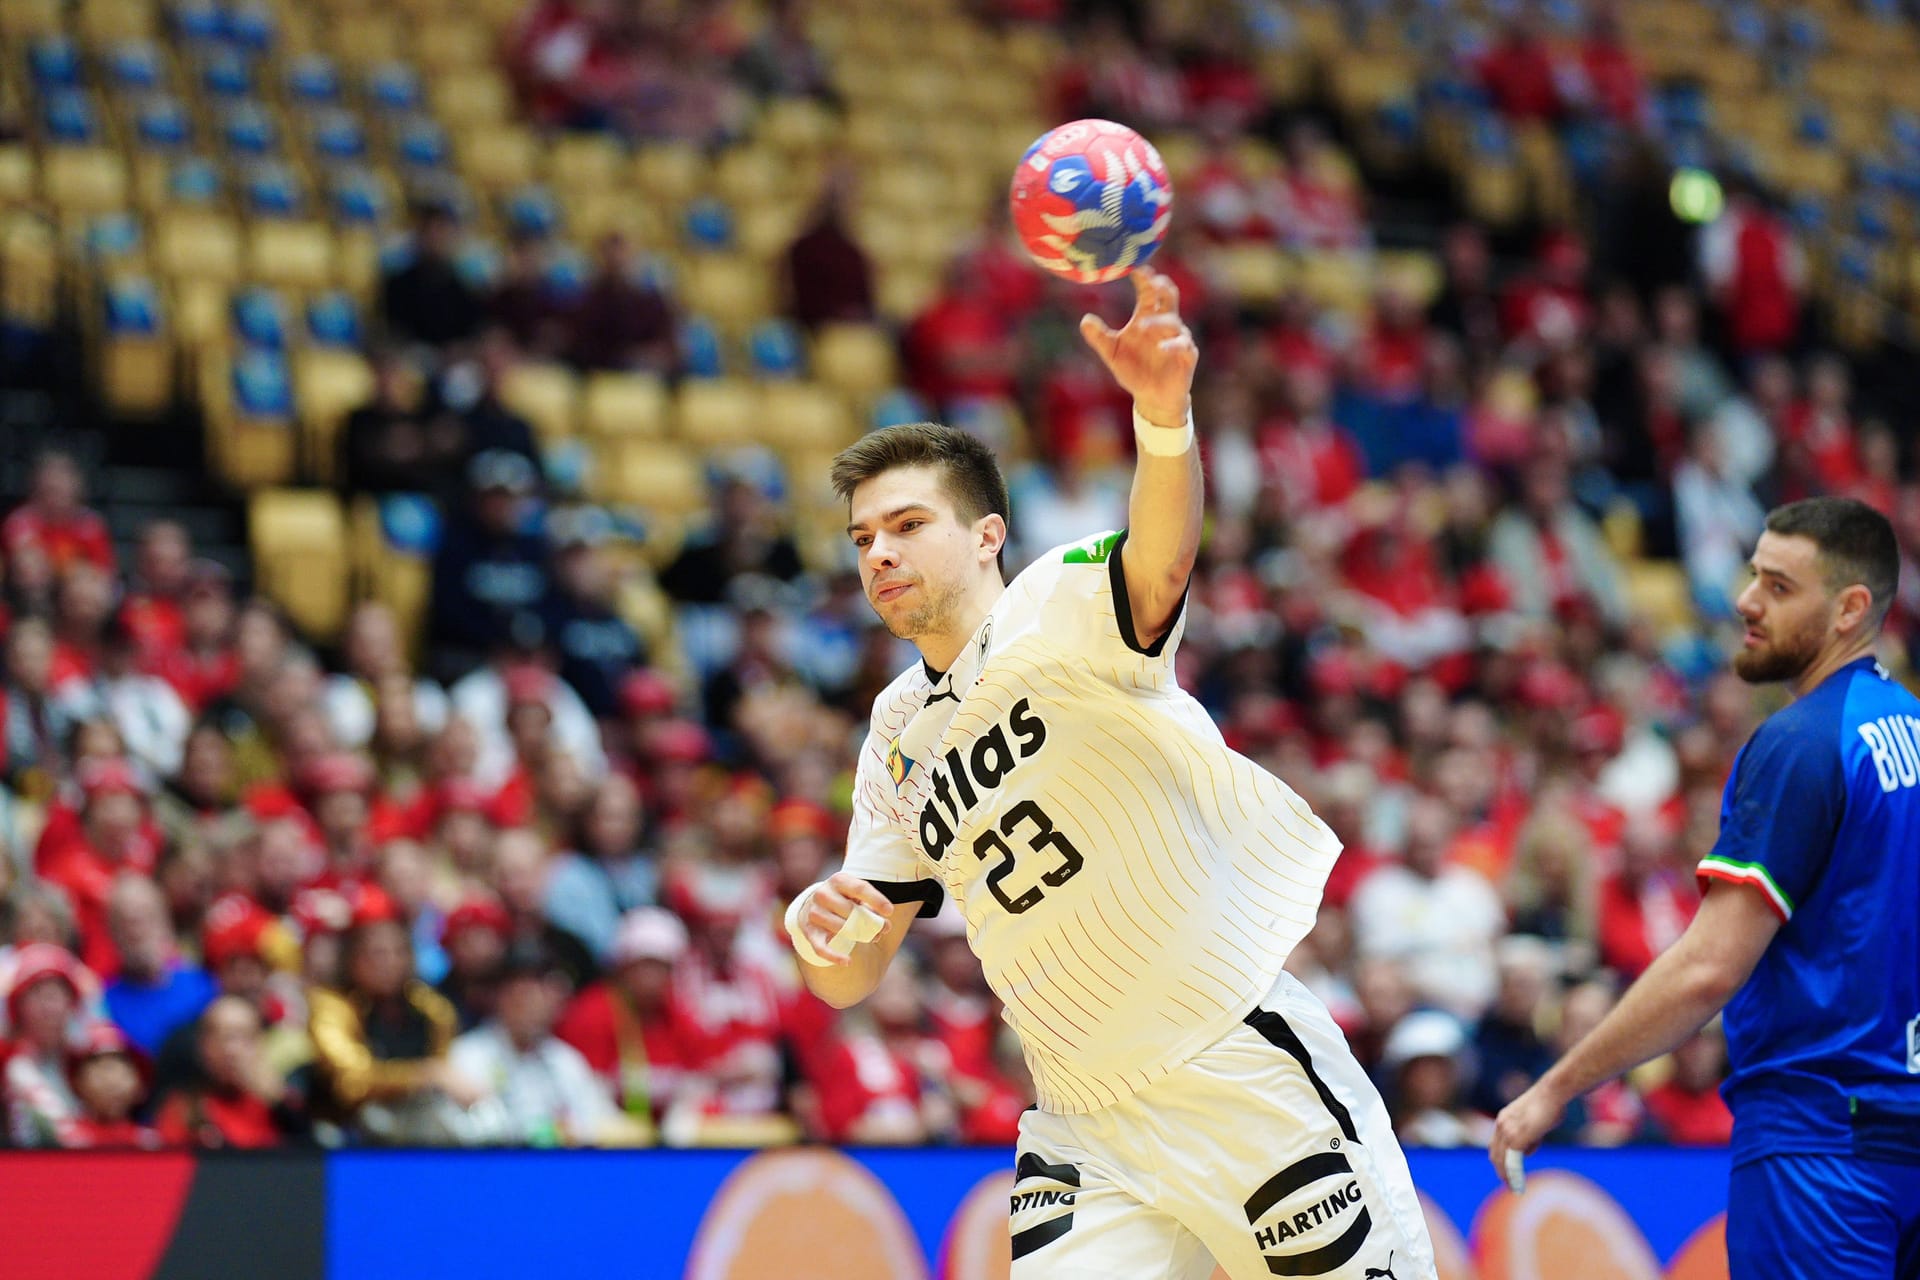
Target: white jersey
1130 884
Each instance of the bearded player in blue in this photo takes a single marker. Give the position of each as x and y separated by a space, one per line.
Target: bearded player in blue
1809 933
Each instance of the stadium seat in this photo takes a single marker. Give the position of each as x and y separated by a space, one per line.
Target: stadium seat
327 385
196 243
54 63
18 175
247 400
299 541
670 173
420 142
104 21
225 73
272 190
471 97
260 318
623 405
857 360
751 175
400 579
30 18
497 157
805 418
546 395
134 366
450 43
660 477
369 39
334 321
702 353
313 80
162 123
248 129
84 180
200 310
1255 275
774 347
299 255
734 292
718 413
335 135
797 125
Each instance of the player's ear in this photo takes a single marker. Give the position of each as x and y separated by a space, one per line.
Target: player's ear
1854 607
990 534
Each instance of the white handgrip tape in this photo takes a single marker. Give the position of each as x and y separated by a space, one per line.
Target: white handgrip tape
1516 1172
864 925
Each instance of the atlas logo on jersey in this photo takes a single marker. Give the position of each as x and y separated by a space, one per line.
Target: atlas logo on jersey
1336 1198
966 774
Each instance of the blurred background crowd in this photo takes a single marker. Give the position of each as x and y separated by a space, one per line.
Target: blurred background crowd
458 797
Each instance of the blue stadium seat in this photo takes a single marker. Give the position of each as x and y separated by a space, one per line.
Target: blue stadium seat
198 20
898 406
260 318
311 79
249 130
1856 263
1750 27
162 123
423 143
701 353
1814 127
776 349
261 386
1490 138
70 118
226 73
393 86
337 135
194 180
709 224
1805 31
132 307
1808 213
250 26
567 271
333 320
1873 219
359 199
135 64
532 211
113 235
54 62
478 263
1905 126
273 191
411 523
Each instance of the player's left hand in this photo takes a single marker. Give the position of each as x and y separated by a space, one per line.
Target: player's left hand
1153 355
1523 1123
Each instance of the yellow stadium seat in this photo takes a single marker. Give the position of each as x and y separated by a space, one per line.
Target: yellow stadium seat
198 244
586 162
29 271
133 371
359 261
769 230
908 190
449 43
1657 591
1341 281
1417 273
299 542
748 175
904 291
103 22
857 360
30 17
718 413
365 39
669 172
243 451
592 213
734 292
200 311
470 97
1495 193
805 417
658 476
327 386
17 175
624 404
547 395
497 157
797 125
1255 274
1365 82
299 255
380 571
84 180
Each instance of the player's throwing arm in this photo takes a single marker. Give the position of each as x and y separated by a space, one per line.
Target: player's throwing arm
830 925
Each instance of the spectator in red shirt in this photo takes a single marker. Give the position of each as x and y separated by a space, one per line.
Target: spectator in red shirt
961 345
54 522
41 1005
1687 1106
153 610
1611 81
1647 904
206 667
114 837
1754 270
1518 72
885 1080
1549 306
474 936
629 1027
83 605
828 276
961 1010
110 1083
1822 454
1322 200
621 323
240 1099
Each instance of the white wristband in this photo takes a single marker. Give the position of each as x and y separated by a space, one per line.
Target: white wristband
802 946
1163 442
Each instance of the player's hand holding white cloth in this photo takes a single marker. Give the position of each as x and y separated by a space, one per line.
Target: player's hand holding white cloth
1523 1123
836 915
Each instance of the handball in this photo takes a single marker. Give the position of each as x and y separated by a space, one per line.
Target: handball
1091 201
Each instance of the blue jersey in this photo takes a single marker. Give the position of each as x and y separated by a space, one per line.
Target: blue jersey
1822 815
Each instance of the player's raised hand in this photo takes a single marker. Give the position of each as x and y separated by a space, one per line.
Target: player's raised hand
1153 355
832 906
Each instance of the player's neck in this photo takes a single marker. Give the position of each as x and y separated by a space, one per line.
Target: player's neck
1828 663
940 651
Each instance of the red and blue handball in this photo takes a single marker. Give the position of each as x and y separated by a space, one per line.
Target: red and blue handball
1091 201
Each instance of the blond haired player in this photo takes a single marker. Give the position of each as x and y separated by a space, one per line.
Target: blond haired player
1130 884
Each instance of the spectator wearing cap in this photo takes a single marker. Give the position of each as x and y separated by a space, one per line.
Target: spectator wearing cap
426 300
545 1092
54 521
1424 1054
474 936
205 666
621 323
151 718
113 837
109 1080
36 721
597 646
250 954
489 569
1440 919
41 1006
607 870
454 817
152 610
491 695
523 871
156 990
630 1028
239 1099
674 757
372 655
380 1041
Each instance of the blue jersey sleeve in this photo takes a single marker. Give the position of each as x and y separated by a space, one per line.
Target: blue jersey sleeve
1780 812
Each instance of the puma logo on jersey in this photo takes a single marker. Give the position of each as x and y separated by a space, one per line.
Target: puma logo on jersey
969 771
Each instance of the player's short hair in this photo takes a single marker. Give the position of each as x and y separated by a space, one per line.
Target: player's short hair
1855 542
972 475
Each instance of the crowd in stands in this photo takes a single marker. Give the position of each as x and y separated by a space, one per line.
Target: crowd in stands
522 882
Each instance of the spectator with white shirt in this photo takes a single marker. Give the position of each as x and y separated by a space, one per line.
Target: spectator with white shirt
152 719
1719 521
484 698
371 653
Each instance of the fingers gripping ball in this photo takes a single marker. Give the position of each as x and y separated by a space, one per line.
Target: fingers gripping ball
1091 201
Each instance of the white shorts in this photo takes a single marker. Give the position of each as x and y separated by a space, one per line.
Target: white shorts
1270 1154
